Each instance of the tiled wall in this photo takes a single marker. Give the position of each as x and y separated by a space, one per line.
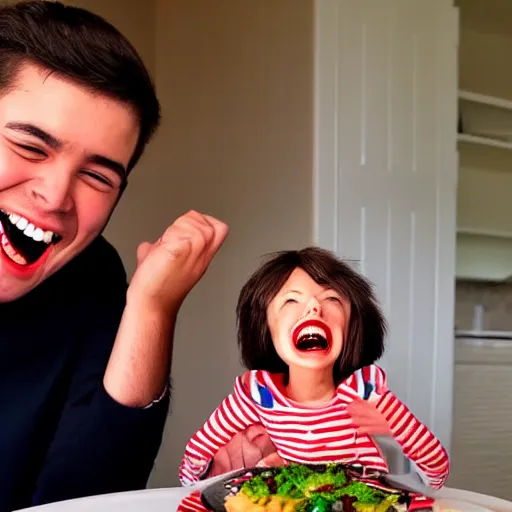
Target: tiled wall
496 299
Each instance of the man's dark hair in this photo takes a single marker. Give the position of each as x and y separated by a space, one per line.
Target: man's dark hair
364 343
80 46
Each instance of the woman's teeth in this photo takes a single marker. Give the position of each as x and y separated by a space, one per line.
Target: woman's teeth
311 338
310 331
30 230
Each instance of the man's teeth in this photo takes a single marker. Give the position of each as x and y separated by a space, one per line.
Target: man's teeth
30 230
311 330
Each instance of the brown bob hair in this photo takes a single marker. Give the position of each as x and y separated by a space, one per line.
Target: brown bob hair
364 343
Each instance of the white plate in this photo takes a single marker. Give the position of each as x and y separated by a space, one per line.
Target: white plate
167 500
453 505
150 500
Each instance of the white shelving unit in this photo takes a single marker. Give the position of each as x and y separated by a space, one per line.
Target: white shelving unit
486 141
483 232
485 120
485 100
484 227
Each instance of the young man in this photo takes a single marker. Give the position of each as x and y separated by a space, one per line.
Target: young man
84 359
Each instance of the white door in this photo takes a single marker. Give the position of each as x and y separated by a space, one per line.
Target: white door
386 177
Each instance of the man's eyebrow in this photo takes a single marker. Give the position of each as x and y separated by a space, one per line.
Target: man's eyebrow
33 130
57 144
117 167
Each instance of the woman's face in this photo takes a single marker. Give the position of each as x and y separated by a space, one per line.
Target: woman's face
308 322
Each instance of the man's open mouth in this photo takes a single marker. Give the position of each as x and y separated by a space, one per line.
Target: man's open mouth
312 335
22 241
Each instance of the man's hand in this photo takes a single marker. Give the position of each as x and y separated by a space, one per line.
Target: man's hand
168 269
139 366
247 449
368 418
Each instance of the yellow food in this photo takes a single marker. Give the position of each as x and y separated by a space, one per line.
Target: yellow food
242 503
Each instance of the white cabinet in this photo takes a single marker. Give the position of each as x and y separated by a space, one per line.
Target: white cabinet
481 454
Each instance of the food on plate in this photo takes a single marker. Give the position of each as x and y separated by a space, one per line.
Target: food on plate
305 488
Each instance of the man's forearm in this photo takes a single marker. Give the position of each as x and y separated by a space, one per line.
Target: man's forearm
139 366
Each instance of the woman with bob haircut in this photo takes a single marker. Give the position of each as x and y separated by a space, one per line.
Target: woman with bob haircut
309 331
254 339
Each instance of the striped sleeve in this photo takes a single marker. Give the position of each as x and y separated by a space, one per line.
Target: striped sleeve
234 415
418 443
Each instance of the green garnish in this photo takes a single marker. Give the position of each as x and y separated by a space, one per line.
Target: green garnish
256 487
364 493
317 490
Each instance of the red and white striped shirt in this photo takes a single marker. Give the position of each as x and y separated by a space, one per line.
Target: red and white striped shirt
314 435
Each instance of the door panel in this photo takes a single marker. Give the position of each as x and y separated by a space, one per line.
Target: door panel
385 177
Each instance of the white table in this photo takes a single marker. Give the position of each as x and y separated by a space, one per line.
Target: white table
167 500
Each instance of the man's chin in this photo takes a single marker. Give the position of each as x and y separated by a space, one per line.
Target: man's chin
10 292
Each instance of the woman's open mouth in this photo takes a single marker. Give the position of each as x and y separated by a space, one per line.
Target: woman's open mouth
22 242
312 336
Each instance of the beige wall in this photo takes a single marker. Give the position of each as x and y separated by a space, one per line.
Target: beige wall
235 79
134 219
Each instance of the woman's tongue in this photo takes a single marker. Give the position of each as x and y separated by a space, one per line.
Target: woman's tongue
311 342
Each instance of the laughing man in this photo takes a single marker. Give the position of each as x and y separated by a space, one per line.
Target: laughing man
84 358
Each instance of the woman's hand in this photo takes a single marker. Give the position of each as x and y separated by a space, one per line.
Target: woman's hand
368 419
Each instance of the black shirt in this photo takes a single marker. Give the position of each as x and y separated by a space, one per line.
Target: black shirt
61 435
